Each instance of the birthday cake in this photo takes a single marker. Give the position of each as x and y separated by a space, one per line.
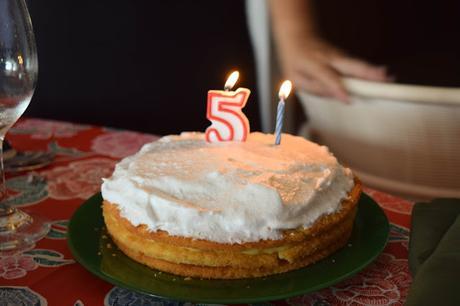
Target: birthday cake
230 209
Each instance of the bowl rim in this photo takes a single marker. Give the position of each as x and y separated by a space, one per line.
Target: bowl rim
404 92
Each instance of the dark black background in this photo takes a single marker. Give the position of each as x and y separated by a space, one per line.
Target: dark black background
147 65
416 39
138 64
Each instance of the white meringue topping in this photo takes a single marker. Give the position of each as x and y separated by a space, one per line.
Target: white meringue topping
230 192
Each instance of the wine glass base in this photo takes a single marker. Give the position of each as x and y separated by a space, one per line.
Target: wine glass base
23 237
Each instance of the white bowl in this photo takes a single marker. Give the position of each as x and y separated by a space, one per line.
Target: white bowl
404 139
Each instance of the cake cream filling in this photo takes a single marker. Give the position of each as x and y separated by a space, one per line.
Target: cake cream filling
230 192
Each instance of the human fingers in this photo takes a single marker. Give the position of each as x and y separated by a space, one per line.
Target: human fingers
304 82
357 68
328 77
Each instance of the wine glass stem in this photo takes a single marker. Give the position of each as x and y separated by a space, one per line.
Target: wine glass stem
2 177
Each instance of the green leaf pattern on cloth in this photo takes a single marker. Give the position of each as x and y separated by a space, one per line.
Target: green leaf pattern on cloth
58 150
398 233
48 258
26 191
58 230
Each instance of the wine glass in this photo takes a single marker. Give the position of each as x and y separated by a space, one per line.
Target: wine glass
18 77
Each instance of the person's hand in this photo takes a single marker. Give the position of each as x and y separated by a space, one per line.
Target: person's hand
311 63
318 67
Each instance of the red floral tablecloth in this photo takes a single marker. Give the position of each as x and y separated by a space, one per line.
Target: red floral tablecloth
48 275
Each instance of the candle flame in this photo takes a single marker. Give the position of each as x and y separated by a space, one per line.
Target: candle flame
231 80
285 89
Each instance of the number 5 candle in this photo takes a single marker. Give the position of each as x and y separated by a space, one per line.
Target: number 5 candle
283 94
224 110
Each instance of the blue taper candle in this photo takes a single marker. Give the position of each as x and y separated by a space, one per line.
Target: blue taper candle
283 94
279 121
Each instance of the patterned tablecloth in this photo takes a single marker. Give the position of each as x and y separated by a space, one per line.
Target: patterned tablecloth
48 275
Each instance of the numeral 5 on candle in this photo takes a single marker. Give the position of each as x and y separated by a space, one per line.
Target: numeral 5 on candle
224 110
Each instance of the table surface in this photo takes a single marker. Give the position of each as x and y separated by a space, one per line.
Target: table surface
48 275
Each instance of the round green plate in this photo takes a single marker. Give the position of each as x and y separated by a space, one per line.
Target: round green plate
93 248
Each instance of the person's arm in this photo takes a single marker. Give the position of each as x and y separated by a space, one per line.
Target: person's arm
309 61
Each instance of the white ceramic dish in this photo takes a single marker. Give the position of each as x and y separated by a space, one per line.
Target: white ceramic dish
403 139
